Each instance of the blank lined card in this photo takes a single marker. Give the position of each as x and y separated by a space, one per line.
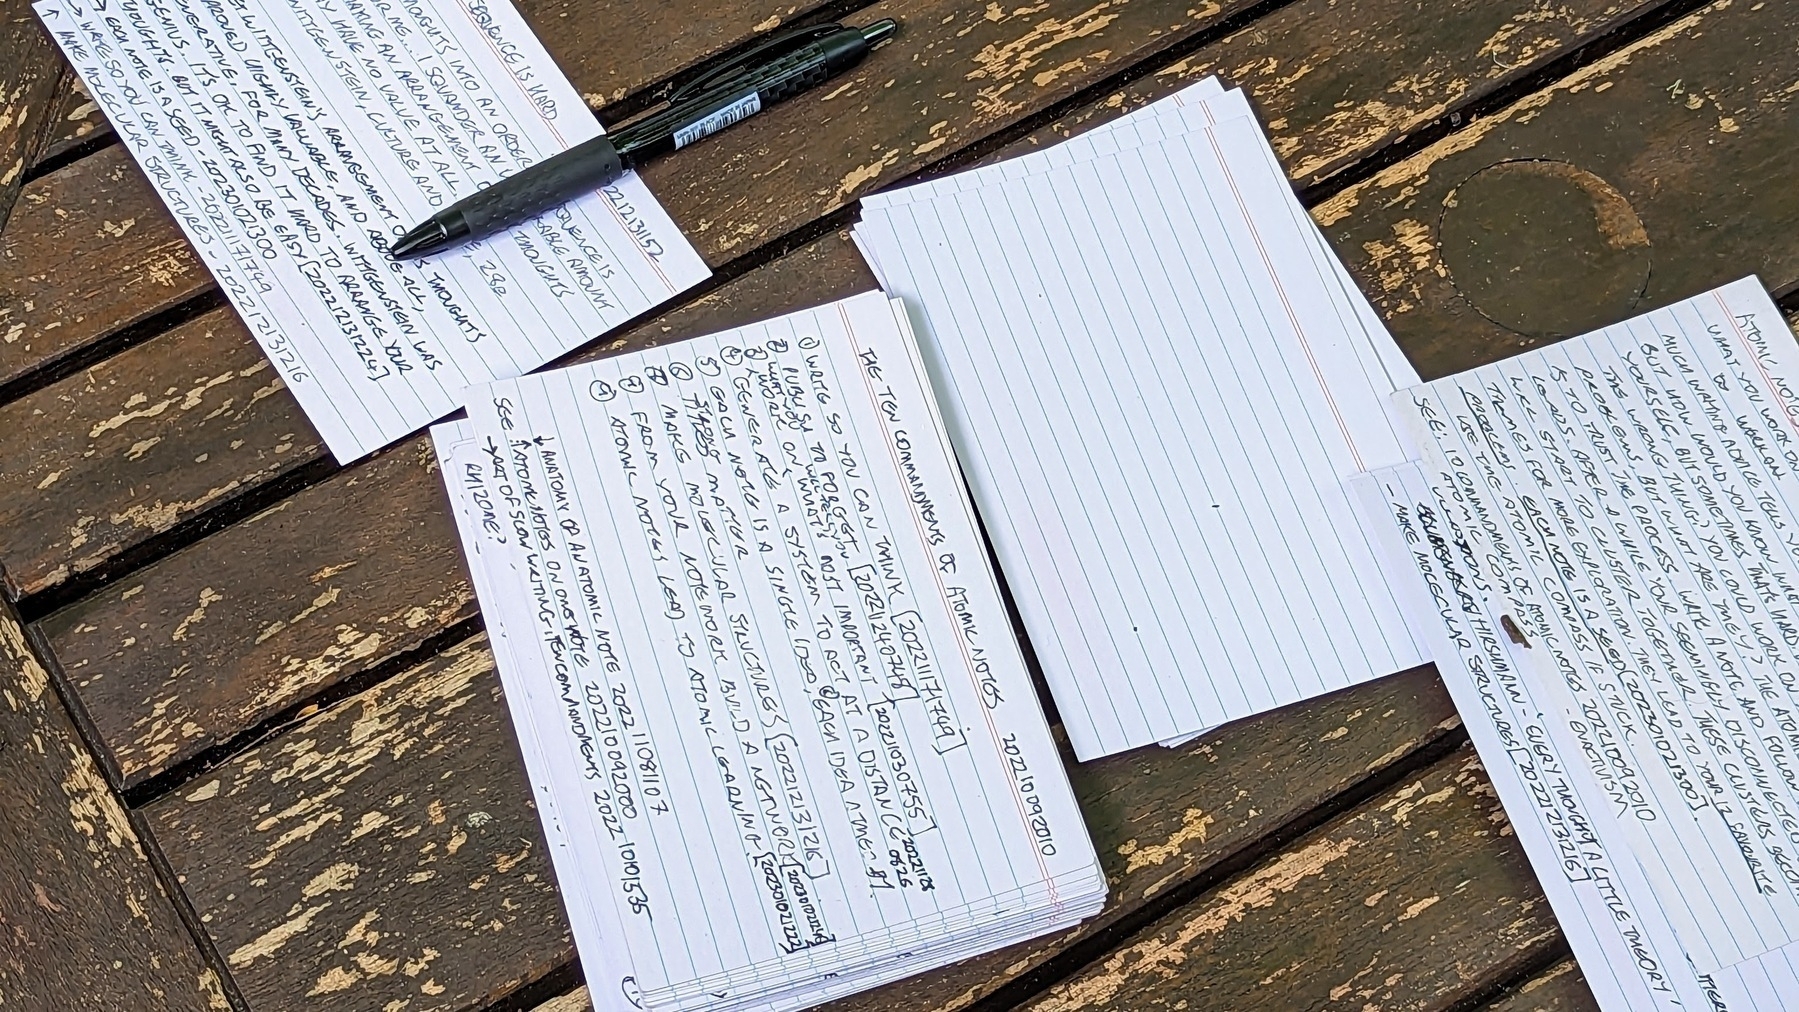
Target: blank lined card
1156 378
767 692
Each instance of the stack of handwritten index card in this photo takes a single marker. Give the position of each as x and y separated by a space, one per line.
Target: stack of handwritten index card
782 737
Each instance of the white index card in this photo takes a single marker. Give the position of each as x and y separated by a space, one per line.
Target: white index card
293 141
1639 491
1156 381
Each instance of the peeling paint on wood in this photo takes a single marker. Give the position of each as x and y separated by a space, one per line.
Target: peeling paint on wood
75 119
961 70
333 865
84 922
1459 909
29 74
574 1001
137 448
1705 201
213 644
66 280
1333 81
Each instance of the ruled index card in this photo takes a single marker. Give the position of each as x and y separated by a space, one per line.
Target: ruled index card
293 140
1617 925
791 743
1608 530
1156 378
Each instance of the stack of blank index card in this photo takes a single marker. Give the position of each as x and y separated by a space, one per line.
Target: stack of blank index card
1156 376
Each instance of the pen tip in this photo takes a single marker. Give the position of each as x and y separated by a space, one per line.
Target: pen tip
880 31
418 242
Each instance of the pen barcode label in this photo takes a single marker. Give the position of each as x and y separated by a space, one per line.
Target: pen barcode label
748 105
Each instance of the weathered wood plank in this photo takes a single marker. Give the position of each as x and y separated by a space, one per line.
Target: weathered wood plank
194 649
1413 901
1335 81
574 1001
83 488
88 251
29 72
35 562
75 120
357 786
1646 177
84 921
180 661
1560 988
383 851
613 48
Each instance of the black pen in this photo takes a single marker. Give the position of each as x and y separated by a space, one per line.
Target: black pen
781 67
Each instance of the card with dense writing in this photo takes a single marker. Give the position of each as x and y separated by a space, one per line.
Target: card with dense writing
293 140
1604 537
764 670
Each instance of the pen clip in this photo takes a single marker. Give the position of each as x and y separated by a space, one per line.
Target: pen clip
780 42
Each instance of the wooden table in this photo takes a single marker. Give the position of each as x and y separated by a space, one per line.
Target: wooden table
253 754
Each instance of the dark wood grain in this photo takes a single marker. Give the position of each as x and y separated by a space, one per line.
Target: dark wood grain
88 251
29 74
84 923
383 851
1560 988
1333 81
1646 177
83 487
36 561
360 785
1415 901
75 121
184 655
191 651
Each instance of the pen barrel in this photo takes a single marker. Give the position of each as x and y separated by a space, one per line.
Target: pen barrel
551 182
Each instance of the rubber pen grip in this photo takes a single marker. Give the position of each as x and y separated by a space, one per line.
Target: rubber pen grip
807 78
550 183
